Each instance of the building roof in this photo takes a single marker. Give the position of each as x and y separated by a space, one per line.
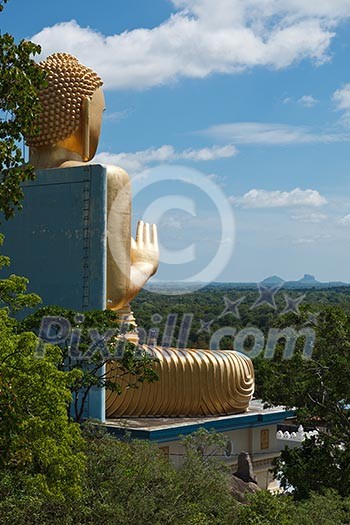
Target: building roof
172 429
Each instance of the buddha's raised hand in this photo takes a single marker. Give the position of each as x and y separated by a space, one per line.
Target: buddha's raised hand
144 256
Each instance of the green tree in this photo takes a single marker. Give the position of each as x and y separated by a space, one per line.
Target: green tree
265 508
21 79
320 464
204 480
37 441
326 509
319 388
133 482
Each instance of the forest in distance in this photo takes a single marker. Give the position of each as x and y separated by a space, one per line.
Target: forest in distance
217 306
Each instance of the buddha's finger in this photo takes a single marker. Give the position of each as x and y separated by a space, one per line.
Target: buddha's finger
155 235
146 234
139 232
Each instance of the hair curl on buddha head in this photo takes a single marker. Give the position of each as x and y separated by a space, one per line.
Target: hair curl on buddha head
68 84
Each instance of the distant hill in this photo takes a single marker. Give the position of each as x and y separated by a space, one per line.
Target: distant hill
308 279
273 281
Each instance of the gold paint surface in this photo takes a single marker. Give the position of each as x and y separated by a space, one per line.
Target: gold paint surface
69 83
191 383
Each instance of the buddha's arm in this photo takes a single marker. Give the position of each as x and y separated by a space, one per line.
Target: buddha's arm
130 263
119 234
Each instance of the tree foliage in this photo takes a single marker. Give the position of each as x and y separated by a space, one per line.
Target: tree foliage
319 388
2 3
101 338
320 464
208 304
133 482
265 508
21 79
37 441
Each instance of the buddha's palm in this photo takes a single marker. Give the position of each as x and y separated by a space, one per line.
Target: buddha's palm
144 257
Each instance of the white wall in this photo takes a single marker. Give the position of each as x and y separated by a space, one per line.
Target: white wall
243 440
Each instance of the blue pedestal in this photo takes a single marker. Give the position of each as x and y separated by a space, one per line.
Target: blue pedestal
59 242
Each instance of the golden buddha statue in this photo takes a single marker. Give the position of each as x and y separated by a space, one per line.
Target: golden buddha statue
70 126
192 382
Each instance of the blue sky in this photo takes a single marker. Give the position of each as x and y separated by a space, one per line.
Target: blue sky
254 95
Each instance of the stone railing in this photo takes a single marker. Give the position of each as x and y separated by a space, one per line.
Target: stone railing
298 436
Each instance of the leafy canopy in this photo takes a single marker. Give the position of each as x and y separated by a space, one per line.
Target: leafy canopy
21 79
320 390
37 441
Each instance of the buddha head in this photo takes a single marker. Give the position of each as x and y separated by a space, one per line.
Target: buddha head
72 106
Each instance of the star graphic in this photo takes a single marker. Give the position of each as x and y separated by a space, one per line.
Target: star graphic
205 326
313 318
231 307
292 305
267 296
156 318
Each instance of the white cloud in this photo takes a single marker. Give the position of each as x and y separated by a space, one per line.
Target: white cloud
137 161
204 37
308 101
172 223
205 154
304 240
311 240
117 116
219 179
344 221
279 199
269 134
341 97
222 10
311 218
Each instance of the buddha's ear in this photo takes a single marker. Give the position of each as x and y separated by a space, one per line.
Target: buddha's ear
86 129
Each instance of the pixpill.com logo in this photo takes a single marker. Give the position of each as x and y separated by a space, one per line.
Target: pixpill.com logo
162 190
249 340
